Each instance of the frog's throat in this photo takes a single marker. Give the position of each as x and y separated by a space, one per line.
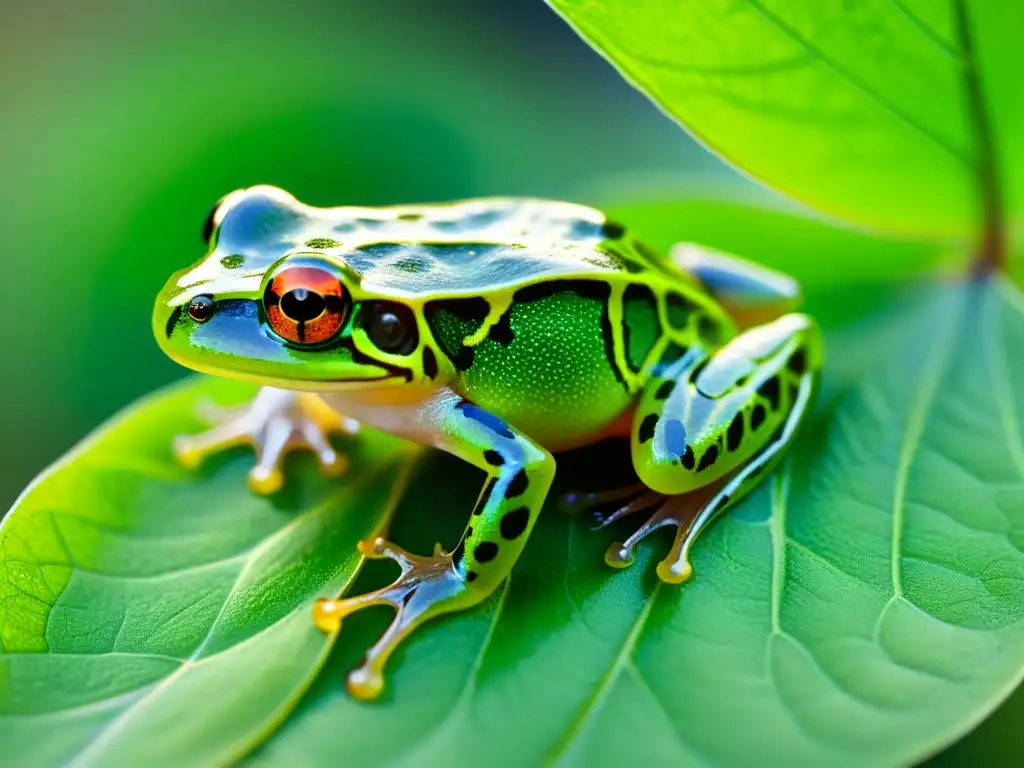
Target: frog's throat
301 385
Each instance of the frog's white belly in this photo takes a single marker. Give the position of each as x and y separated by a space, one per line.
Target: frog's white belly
414 414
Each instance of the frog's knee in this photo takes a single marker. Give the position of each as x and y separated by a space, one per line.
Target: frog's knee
695 429
676 464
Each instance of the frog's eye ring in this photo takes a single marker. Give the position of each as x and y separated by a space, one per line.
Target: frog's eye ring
305 305
391 327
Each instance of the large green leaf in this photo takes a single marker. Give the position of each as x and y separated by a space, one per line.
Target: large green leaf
899 114
148 614
863 607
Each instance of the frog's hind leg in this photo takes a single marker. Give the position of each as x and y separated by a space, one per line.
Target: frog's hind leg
706 437
275 422
520 474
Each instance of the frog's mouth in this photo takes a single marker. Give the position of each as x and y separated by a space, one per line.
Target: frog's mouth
231 341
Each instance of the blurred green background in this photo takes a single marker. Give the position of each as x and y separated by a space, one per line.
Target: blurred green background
123 121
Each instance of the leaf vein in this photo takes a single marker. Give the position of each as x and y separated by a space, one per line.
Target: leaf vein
596 700
762 68
929 33
935 364
83 655
690 750
465 699
1011 293
824 560
780 498
804 649
857 83
187 570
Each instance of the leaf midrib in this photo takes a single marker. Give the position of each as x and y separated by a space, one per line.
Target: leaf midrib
594 702
464 702
991 241
938 360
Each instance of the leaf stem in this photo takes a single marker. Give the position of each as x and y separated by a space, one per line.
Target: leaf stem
990 254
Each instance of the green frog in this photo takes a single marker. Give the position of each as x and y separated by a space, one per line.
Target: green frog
503 331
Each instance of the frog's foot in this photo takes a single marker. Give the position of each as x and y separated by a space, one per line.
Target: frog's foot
274 423
427 587
638 497
573 503
687 512
642 499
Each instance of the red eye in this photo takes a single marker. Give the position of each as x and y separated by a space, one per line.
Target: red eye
305 305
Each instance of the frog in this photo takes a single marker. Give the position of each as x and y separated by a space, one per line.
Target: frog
504 331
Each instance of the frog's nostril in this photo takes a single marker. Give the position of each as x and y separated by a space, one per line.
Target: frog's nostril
302 305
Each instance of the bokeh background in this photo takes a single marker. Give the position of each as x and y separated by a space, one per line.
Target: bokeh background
123 121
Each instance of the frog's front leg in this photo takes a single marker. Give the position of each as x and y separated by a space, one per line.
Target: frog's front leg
274 422
708 429
520 474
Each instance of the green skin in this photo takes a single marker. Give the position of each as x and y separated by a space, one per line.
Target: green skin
501 331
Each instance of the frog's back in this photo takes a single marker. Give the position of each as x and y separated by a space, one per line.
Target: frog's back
464 248
477 246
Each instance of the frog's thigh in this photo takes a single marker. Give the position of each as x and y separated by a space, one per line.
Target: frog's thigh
749 291
743 406
696 424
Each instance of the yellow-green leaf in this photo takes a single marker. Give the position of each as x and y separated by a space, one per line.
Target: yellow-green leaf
899 114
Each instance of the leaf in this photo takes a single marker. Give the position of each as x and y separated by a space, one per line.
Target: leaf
897 114
153 616
862 608
571 659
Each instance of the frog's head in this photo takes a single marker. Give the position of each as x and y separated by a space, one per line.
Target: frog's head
270 303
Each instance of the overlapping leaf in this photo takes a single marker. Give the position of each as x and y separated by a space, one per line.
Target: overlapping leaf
899 114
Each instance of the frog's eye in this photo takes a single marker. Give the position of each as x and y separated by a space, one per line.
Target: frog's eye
305 305
391 327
